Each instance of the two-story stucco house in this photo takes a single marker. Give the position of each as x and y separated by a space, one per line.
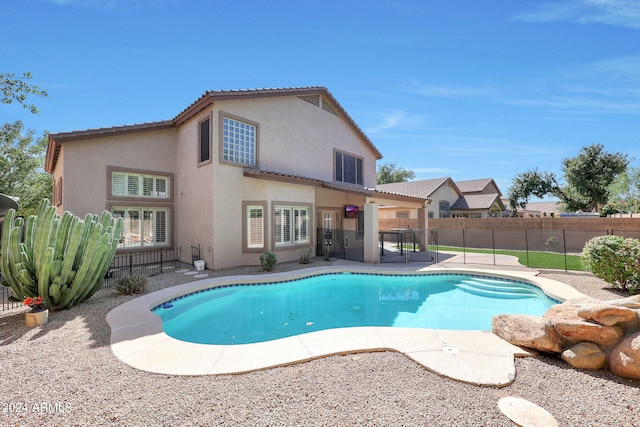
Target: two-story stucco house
235 173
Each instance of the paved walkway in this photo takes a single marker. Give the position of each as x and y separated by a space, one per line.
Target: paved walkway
476 357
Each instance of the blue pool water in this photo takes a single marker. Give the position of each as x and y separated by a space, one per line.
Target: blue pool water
243 314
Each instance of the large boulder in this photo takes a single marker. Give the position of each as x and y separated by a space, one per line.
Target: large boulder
585 355
527 331
624 358
611 315
573 329
578 330
629 302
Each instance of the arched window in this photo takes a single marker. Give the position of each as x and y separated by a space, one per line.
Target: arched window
445 208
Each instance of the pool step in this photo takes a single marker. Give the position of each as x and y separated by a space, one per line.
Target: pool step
496 288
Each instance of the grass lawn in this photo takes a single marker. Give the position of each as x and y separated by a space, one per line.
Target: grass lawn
551 260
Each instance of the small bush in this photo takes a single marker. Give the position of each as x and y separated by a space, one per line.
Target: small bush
614 260
552 243
134 284
267 260
305 255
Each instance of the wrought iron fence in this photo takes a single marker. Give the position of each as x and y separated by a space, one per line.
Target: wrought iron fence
147 263
527 242
344 244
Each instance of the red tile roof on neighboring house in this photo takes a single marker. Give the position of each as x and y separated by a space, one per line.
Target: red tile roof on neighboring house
56 139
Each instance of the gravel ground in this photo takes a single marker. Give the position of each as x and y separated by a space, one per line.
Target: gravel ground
65 374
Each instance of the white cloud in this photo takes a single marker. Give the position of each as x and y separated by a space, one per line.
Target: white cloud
607 86
621 13
394 119
443 91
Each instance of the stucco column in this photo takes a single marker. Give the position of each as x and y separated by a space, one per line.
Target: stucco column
423 222
371 254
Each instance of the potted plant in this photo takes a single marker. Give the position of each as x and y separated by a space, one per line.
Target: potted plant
39 314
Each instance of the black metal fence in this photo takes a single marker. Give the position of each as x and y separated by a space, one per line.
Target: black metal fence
406 245
147 263
343 244
560 242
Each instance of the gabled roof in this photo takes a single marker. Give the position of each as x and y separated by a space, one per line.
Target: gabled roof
422 189
56 139
477 201
476 185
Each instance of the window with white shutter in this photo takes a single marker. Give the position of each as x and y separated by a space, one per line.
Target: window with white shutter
128 184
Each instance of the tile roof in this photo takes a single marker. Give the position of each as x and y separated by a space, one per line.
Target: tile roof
299 179
423 189
475 185
475 201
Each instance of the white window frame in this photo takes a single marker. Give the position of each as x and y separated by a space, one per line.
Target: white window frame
295 226
255 226
142 232
136 185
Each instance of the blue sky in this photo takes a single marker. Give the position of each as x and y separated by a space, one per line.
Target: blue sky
466 89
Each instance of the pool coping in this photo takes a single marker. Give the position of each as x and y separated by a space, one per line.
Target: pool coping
475 357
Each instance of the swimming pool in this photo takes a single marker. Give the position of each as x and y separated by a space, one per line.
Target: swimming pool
243 314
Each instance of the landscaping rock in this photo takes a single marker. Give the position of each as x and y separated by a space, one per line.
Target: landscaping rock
624 358
585 355
578 330
527 331
629 302
607 314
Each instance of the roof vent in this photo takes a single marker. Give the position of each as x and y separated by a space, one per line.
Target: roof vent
312 99
327 107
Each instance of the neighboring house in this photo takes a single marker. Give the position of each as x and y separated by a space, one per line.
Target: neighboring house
236 173
535 210
480 198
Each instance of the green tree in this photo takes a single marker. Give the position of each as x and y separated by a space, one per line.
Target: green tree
624 193
21 167
18 89
587 177
390 173
531 183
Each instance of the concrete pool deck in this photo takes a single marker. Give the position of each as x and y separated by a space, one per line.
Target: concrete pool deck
475 357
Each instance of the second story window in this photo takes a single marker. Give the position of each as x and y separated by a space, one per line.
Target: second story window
127 184
348 168
205 142
239 142
445 209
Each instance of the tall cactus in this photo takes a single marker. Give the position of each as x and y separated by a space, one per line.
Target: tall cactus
61 258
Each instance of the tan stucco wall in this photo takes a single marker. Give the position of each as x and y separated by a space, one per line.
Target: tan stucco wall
293 137
85 165
445 192
298 137
194 216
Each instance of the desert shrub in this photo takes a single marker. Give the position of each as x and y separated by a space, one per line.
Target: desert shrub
133 284
552 243
267 260
615 260
305 255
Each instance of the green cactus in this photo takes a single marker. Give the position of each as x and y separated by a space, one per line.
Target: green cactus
61 258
